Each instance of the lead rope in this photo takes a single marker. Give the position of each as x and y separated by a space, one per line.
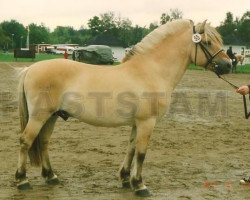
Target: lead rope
210 59
234 86
247 114
196 45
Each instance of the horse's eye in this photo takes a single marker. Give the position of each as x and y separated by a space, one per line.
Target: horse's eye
209 43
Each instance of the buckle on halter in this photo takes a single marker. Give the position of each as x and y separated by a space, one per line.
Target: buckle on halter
196 38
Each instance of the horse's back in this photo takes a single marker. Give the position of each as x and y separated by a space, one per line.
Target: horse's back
53 68
56 73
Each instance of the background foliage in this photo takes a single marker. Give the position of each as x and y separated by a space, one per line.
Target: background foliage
109 29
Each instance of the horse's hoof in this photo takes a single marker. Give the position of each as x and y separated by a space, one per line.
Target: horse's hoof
24 185
53 181
126 184
142 193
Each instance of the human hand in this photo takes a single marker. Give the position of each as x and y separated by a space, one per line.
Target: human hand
243 90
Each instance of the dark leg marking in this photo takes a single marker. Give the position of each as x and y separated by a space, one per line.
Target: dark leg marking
135 182
20 175
23 183
141 157
47 173
125 175
139 192
50 177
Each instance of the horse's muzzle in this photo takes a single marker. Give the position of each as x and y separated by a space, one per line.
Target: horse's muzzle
223 67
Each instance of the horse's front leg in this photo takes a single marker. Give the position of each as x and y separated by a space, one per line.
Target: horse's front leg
144 131
126 165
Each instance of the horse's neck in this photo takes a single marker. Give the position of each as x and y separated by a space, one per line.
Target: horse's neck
171 59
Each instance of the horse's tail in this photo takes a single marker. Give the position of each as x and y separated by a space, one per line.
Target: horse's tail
34 151
23 109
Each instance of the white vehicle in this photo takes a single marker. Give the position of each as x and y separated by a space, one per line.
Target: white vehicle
62 49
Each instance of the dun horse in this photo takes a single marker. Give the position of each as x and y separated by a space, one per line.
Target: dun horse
136 93
238 59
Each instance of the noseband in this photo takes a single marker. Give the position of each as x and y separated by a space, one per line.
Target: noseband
197 40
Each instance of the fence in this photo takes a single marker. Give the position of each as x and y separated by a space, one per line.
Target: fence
19 53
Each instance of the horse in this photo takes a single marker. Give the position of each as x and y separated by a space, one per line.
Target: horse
136 93
238 59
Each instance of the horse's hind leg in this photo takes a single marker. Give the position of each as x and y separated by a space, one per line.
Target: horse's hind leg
26 140
144 131
126 165
44 136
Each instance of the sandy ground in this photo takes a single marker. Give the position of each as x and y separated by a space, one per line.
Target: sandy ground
199 150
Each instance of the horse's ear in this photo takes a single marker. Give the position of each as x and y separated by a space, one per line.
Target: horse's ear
191 22
202 27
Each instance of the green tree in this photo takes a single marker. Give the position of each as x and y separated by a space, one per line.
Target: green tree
153 26
236 31
95 25
139 33
108 21
244 28
15 30
5 41
84 35
124 31
172 15
176 14
105 23
228 29
39 34
229 18
110 30
63 34
165 17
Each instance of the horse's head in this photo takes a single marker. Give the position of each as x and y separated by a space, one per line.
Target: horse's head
207 49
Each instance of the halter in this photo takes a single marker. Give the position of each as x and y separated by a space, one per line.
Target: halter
197 40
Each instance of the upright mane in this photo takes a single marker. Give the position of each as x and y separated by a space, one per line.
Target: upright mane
166 30
210 32
156 36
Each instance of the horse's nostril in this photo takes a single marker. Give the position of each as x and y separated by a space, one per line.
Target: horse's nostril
229 65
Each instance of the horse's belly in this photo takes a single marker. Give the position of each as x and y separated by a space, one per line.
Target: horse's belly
105 121
104 116
100 113
103 109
